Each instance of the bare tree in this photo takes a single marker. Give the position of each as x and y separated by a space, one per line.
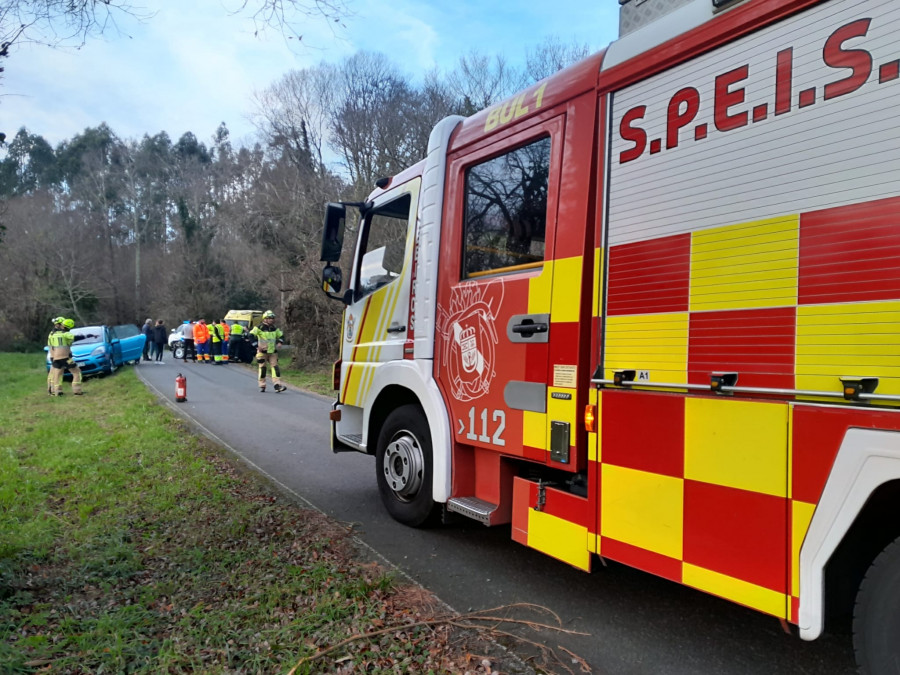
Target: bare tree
551 56
282 13
433 101
295 113
367 128
480 80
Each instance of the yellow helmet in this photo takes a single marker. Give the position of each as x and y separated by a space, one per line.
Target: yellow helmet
268 314
58 319
69 323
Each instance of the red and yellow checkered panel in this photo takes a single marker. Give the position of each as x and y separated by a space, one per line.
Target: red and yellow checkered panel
792 302
718 492
695 490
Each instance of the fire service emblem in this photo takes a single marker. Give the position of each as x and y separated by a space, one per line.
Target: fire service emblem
469 338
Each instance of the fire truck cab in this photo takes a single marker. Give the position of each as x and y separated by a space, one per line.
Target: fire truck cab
648 309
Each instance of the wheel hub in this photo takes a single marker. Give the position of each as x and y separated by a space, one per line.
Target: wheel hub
403 466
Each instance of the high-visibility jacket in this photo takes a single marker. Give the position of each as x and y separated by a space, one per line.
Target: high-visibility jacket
268 336
237 330
60 344
226 331
215 332
201 332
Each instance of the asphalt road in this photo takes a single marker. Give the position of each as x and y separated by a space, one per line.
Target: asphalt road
637 623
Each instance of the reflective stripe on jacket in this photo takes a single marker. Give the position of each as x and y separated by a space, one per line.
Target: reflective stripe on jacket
60 343
268 337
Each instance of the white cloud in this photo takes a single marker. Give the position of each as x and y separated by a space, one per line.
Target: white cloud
195 64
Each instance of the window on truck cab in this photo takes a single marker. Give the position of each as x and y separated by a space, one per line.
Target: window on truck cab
506 211
385 244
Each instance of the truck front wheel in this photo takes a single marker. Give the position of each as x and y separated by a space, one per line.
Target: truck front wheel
404 466
876 616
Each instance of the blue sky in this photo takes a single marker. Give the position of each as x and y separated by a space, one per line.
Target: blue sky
193 65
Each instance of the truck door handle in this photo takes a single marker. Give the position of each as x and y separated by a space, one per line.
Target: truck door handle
529 329
397 329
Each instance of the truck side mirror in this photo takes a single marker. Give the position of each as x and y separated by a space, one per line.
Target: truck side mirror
332 279
333 232
331 284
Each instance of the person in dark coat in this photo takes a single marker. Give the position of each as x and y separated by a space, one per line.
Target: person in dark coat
147 330
160 337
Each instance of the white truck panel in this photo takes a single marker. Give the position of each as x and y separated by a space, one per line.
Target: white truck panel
780 164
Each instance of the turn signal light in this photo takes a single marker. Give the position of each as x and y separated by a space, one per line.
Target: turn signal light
590 418
336 375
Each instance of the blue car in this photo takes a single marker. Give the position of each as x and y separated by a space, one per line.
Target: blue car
100 350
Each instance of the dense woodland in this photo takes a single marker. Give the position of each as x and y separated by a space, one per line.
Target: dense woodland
115 230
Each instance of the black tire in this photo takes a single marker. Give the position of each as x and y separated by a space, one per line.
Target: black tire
876 616
404 467
178 352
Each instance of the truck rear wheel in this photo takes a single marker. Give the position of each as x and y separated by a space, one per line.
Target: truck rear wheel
403 463
876 616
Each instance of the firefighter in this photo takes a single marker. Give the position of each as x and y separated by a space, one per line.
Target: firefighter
266 351
235 339
201 340
60 344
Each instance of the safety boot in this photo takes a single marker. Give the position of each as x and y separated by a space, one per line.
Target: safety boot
262 390
279 388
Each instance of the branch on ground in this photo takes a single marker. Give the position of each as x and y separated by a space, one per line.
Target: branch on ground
474 621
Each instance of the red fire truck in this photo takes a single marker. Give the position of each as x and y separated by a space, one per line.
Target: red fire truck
648 310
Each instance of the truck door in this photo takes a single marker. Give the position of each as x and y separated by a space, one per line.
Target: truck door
493 315
375 323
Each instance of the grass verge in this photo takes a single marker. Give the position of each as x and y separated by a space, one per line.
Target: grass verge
317 380
127 544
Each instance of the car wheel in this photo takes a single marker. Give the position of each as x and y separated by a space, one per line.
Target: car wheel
876 617
403 461
178 352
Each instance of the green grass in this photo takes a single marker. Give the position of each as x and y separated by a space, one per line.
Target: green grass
129 545
317 380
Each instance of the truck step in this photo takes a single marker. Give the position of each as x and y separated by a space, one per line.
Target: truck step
472 507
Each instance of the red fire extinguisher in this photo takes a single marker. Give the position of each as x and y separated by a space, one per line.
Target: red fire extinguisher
181 388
